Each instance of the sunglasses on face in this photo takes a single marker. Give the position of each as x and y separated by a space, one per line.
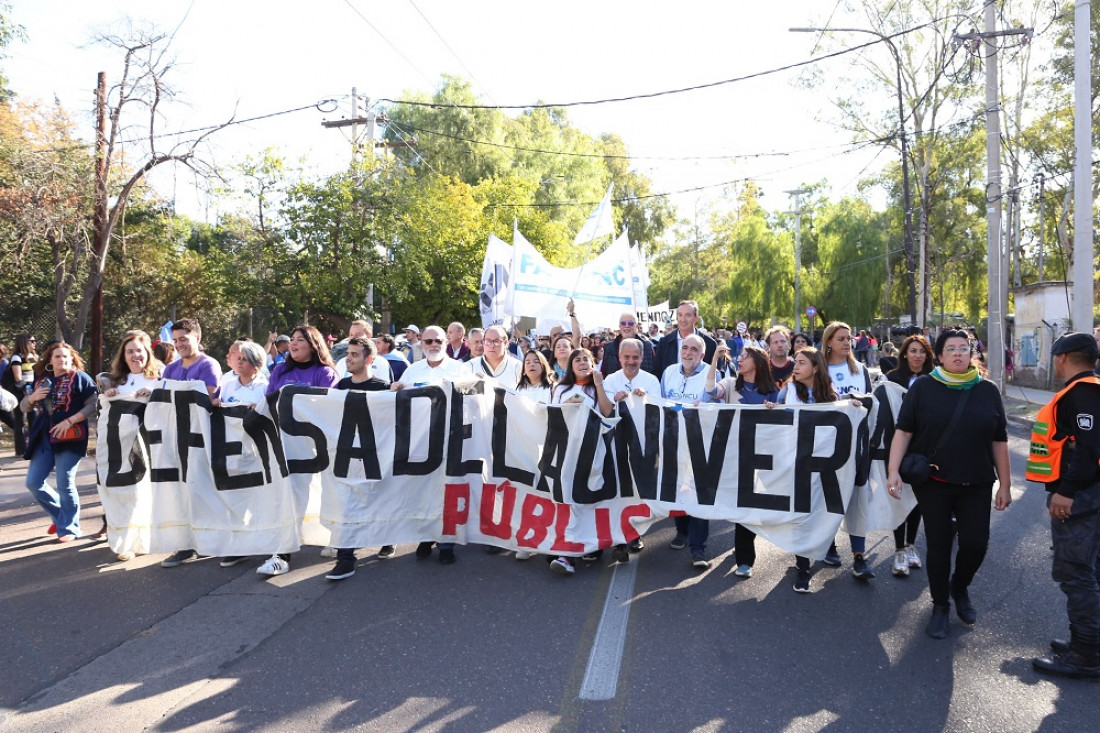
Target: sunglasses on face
627 323
432 341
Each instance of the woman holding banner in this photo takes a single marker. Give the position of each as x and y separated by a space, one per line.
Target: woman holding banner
63 400
915 361
848 377
953 425
308 364
809 385
134 370
581 384
753 385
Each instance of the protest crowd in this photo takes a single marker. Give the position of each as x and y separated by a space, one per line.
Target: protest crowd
949 447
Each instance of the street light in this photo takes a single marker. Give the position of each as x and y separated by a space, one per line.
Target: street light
909 263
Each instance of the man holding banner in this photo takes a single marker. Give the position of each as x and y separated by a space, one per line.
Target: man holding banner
669 347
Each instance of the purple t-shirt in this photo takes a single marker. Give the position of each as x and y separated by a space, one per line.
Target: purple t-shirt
314 375
206 370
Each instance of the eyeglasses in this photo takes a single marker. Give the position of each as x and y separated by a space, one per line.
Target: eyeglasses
953 350
627 323
493 342
432 341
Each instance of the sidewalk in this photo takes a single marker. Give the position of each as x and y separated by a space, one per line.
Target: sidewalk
13 478
1022 403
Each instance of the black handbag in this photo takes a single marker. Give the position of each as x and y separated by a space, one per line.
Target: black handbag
917 468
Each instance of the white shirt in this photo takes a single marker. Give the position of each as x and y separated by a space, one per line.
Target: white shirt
618 382
420 373
844 382
135 382
561 395
507 374
684 390
235 393
538 394
789 396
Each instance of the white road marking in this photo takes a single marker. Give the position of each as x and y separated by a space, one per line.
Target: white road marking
601 677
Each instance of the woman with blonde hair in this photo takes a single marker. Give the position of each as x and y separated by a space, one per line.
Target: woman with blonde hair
848 377
134 370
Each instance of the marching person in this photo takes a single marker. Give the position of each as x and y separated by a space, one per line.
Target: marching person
495 363
309 364
434 368
632 379
193 364
668 348
63 400
753 385
628 329
1065 455
848 376
684 383
778 340
956 419
361 352
915 361
537 380
581 384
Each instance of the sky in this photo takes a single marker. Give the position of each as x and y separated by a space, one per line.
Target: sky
252 58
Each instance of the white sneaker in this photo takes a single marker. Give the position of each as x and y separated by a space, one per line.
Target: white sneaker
328 552
524 554
901 564
912 557
562 565
274 565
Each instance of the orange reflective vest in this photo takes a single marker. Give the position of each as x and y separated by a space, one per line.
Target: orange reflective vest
1044 461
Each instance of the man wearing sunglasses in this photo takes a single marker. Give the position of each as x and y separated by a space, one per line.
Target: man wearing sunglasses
628 329
434 368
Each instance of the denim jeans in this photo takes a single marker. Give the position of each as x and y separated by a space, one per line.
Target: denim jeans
62 504
696 530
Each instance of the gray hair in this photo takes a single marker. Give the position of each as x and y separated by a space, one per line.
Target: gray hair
253 353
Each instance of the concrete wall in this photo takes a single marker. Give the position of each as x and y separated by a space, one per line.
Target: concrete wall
1042 315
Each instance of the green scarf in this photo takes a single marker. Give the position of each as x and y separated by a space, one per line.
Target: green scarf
951 380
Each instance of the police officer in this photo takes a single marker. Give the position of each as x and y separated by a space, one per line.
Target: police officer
1065 456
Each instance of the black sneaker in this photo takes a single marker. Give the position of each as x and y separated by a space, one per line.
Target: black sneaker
342 569
802 582
447 557
387 552
679 542
700 562
620 555
424 550
636 545
179 558
592 556
832 559
231 560
860 568
964 609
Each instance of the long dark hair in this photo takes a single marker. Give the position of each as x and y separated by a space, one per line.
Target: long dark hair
902 368
23 345
316 343
547 373
763 379
822 385
570 377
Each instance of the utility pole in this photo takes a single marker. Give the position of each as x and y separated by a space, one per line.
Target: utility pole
99 222
1083 291
1042 223
997 281
798 212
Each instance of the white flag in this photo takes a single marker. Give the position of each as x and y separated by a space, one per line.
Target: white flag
599 223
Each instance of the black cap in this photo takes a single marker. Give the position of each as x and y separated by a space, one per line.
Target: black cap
1083 342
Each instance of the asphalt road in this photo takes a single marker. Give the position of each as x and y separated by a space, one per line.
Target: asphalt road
494 644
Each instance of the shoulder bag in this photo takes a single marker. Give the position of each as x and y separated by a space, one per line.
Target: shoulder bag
916 468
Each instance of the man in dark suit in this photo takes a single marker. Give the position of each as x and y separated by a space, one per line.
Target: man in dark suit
668 348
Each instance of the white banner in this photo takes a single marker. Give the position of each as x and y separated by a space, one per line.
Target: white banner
599 223
493 294
657 314
602 289
457 463
639 276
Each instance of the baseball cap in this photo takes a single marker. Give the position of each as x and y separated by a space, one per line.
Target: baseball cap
283 339
1076 341
413 328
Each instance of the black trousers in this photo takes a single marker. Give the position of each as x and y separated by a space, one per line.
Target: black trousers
1076 566
950 511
